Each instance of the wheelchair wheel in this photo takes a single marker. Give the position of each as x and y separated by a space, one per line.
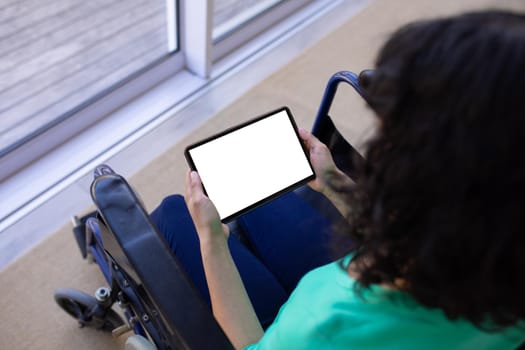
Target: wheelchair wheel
86 310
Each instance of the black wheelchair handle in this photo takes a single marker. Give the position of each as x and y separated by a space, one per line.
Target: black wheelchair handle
350 78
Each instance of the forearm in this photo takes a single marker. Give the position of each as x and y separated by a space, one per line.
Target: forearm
230 303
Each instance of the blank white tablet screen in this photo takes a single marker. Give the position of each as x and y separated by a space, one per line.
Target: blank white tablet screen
252 163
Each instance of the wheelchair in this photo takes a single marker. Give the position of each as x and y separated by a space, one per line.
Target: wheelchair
162 313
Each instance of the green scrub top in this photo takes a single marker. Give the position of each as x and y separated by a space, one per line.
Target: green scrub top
324 312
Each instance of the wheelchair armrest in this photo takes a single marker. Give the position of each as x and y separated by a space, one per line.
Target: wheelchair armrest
345 155
137 247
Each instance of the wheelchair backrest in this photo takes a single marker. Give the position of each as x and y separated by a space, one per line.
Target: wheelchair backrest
167 296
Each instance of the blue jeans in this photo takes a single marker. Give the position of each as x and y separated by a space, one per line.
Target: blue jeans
283 240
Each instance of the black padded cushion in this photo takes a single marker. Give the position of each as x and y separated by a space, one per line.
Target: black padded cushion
345 155
143 254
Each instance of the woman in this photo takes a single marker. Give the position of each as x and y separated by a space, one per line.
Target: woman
435 218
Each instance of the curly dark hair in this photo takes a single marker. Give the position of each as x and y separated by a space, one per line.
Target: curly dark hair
439 200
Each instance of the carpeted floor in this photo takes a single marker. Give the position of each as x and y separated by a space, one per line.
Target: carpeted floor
29 318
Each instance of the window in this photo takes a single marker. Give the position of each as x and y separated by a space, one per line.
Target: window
69 66
229 15
236 22
66 64
57 56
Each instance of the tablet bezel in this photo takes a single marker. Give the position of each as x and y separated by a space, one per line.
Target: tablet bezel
227 131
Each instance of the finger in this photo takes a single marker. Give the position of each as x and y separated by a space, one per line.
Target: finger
188 184
188 179
226 230
305 135
195 179
193 184
309 139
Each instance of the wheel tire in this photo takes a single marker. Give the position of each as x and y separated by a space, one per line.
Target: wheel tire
76 303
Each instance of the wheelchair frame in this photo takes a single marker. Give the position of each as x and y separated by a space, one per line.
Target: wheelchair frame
134 259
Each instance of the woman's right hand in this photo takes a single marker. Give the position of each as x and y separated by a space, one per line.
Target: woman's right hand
328 176
329 180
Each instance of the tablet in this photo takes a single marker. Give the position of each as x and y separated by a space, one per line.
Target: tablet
252 163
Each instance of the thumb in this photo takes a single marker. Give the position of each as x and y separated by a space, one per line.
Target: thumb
195 178
309 139
193 183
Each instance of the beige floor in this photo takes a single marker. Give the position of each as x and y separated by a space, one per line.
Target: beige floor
29 319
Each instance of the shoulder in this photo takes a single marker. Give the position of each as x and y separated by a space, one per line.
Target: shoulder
316 314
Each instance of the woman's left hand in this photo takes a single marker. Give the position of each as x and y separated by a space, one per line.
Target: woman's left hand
230 303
